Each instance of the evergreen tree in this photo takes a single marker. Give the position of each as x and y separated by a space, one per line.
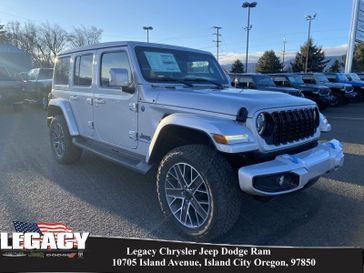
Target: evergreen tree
237 67
269 63
316 58
358 58
335 67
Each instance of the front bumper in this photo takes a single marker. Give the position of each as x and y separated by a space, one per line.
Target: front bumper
304 167
350 95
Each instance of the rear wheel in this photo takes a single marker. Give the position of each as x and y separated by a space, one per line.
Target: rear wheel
61 142
198 191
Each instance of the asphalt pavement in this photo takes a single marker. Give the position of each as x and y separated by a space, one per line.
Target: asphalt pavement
105 199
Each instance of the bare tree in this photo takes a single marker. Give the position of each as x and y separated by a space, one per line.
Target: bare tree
53 40
81 36
45 41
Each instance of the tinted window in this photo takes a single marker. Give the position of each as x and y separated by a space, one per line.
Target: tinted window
83 70
45 74
113 60
61 71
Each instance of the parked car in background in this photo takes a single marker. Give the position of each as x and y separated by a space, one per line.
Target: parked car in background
39 85
352 79
261 82
341 93
318 93
10 90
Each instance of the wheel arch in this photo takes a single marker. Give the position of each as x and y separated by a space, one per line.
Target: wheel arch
63 107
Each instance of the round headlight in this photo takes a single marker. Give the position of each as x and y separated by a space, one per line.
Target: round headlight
261 123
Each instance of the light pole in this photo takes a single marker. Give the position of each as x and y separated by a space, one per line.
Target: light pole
248 28
309 18
217 41
284 51
147 29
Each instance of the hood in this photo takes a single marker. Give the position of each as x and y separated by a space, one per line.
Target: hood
229 101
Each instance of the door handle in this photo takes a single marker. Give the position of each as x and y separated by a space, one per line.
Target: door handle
73 97
99 101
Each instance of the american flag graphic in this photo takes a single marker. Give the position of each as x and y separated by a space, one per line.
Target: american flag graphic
44 227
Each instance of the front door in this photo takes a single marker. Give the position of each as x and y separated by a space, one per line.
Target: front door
115 111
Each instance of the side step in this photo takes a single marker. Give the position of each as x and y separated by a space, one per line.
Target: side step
124 158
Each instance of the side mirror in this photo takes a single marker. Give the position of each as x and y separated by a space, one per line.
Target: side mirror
119 77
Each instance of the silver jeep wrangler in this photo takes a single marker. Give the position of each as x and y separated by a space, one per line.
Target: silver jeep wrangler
149 105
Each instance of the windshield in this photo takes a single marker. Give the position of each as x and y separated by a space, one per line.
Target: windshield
321 78
264 81
296 79
354 77
171 65
342 77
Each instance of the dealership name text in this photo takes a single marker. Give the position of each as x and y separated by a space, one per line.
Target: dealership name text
33 240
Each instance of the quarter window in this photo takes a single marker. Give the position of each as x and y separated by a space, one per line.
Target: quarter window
113 60
61 71
83 70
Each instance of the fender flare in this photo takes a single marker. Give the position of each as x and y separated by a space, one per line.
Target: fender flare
209 126
65 107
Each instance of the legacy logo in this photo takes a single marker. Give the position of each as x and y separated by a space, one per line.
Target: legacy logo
43 236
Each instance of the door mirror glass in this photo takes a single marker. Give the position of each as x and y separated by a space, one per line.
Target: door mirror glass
119 77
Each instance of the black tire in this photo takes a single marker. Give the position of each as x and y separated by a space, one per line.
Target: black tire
338 99
68 153
221 183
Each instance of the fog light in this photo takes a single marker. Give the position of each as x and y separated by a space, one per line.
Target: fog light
276 182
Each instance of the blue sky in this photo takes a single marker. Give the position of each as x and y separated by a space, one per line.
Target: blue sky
189 22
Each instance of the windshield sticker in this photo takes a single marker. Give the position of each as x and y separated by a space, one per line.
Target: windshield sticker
162 62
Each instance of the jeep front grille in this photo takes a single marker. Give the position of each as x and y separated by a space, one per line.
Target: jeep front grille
292 125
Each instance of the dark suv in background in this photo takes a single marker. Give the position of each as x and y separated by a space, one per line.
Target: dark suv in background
261 82
341 93
39 85
351 79
318 93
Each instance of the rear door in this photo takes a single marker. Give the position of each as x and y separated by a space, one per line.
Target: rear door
115 111
81 93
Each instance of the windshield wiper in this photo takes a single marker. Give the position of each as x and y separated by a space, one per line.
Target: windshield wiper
219 85
174 80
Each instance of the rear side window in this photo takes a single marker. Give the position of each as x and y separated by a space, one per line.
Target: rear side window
61 71
83 70
113 60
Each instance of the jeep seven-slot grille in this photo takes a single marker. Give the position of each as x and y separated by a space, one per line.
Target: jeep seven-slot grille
292 125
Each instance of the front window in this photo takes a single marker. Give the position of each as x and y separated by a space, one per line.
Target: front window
321 78
171 65
354 77
296 79
264 81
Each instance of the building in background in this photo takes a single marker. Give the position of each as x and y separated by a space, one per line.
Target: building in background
14 59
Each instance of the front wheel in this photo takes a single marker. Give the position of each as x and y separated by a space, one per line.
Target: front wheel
336 100
198 191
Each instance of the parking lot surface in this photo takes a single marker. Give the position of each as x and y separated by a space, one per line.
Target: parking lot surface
105 199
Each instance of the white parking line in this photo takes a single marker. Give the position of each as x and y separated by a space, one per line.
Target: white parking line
333 117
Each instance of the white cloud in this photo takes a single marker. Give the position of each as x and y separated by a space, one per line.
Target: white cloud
230 57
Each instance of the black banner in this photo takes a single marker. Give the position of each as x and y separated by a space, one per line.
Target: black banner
133 255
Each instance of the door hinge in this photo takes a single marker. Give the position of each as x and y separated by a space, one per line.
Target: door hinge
90 124
133 107
133 135
90 101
